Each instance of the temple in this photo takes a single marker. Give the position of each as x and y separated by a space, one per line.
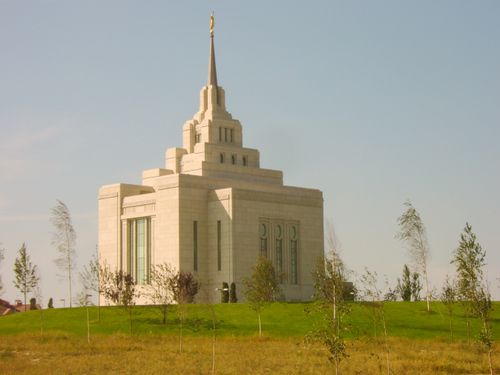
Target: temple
212 210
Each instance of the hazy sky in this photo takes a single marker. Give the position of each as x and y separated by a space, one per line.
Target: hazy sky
372 102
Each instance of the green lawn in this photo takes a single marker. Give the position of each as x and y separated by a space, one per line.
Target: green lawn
404 319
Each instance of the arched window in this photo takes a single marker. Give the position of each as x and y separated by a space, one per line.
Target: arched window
294 235
221 157
263 239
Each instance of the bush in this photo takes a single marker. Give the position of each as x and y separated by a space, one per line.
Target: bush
224 296
232 293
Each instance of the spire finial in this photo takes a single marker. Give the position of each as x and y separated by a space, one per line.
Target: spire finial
212 23
212 72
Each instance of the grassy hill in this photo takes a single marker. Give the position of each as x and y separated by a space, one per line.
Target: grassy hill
419 342
404 319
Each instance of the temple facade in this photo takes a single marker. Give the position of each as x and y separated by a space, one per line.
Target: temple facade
212 210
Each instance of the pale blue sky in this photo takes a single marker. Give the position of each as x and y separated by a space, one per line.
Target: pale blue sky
371 102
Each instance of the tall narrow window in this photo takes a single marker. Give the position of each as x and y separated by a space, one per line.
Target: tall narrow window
293 256
220 134
263 239
233 159
221 157
195 245
198 138
139 249
279 249
244 161
225 134
231 135
219 249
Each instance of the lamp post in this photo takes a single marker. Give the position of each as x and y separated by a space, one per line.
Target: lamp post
88 320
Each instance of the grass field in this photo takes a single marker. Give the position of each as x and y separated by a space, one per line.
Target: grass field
404 319
55 342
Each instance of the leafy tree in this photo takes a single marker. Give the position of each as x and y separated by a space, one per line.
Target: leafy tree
184 287
51 303
469 260
232 293
89 278
64 239
409 286
262 287
33 303
391 295
330 281
160 289
404 287
416 286
120 288
26 274
449 298
372 296
224 295
412 232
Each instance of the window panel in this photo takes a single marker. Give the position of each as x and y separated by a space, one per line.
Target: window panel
195 245
139 249
219 248
263 239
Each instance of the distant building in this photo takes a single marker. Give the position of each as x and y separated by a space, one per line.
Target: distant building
20 307
6 308
212 210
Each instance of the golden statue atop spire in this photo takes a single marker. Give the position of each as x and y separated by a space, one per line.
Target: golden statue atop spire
212 22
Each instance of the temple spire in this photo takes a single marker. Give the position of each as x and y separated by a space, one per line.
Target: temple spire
212 71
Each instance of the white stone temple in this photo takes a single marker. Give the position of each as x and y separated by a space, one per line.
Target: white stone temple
212 210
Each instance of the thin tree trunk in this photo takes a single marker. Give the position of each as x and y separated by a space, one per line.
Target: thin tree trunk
70 295
427 296
451 327
99 305
130 319
487 333
468 328
88 325
68 253
423 264
180 334
386 345
213 340
489 361
260 326
41 321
